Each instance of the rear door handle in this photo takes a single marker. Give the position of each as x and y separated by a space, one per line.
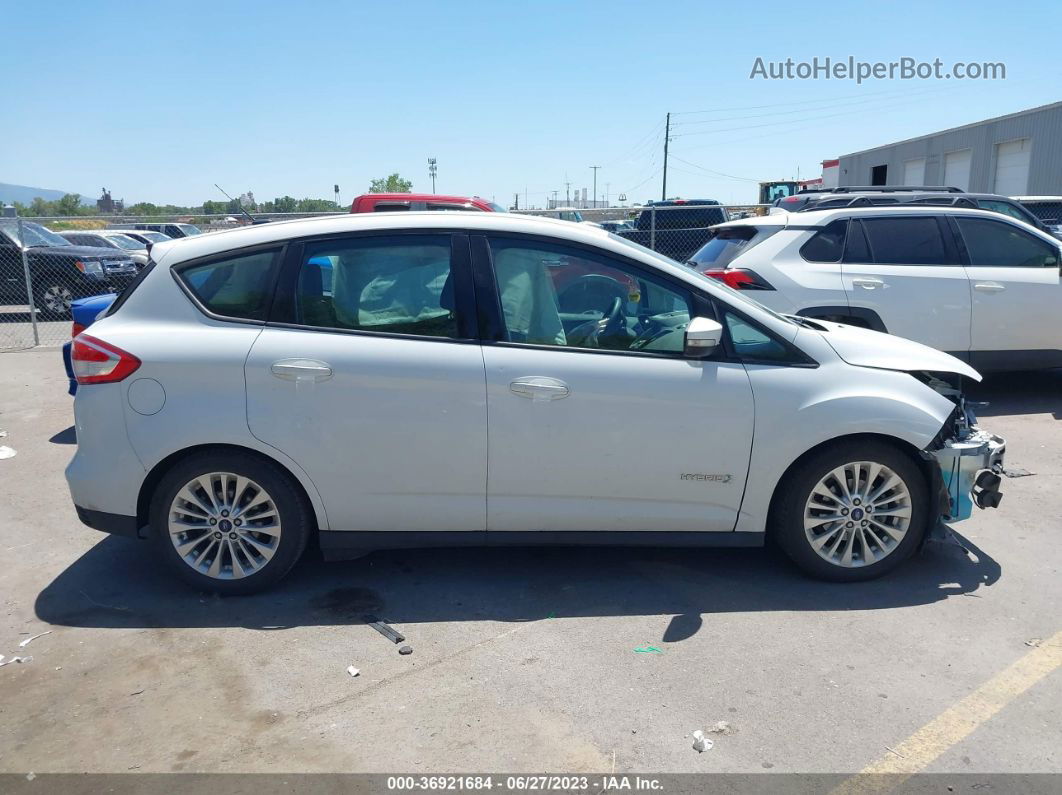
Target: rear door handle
539 387
867 283
301 369
989 287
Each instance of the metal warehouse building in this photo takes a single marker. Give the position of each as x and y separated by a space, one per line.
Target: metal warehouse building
1015 155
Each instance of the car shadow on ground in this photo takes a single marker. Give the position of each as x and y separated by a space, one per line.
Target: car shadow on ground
118 584
1033 392
65 436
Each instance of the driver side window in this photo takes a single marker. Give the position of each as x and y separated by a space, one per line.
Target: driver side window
565 296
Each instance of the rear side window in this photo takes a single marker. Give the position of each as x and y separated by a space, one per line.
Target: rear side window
904 241
238 286
998 245
380 207
827 244
396 284
726 244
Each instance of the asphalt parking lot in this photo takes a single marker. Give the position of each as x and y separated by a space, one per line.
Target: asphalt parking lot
525 660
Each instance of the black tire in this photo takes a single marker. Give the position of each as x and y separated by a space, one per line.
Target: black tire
295 517
786 525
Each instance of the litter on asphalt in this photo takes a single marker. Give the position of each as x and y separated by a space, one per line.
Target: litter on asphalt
14 660
352 670
6 452
721 727
385 629
22 644
701 743
405 650
648 649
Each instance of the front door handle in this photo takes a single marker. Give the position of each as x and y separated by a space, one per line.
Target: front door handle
989 287
301 369
867 282
539 387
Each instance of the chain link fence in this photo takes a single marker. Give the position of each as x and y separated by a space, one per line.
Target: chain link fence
48 263
677 230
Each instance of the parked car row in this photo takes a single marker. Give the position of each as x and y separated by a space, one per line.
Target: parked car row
423 379
981 285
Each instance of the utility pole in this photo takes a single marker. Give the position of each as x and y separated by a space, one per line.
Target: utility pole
567 192
595 168
554 199
667 137
432 171
607 186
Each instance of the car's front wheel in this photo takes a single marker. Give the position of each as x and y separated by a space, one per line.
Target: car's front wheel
54 299
852 511
229 522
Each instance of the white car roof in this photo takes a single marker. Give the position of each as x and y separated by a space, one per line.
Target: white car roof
825 216
182 249
1037 199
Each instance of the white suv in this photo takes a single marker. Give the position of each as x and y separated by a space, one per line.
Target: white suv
432 379
982 286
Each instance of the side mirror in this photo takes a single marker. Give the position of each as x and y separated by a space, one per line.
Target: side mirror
702 337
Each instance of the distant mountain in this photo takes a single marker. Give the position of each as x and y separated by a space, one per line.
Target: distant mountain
26 194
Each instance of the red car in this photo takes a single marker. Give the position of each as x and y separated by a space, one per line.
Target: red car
397 202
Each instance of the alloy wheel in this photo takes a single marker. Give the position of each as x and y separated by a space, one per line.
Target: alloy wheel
57 298
224 525
857 514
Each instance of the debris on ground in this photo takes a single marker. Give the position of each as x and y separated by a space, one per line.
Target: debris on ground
136 692
4 662
721 727
1034 642
1017 472
23 643
385 629
352 670
648 649
701 743
405 650
6 452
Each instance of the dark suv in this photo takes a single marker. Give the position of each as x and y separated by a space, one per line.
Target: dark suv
59 271
676 228
867 195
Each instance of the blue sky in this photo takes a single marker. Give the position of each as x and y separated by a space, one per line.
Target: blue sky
159 101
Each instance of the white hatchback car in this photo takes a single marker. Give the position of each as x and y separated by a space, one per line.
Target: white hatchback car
451 378
980 285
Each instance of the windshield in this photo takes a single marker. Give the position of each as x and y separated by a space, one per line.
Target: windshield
154 237
34 235
497 208
190 229
125 242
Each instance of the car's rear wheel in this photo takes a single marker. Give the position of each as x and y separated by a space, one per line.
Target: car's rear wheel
229 522
852 511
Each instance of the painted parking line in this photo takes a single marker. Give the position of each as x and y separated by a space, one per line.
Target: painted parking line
957 722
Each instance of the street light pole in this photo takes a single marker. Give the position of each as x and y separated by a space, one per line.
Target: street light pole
595 168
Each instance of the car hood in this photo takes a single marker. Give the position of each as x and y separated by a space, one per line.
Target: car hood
865 348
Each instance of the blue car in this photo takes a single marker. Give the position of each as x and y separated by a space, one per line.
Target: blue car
84 311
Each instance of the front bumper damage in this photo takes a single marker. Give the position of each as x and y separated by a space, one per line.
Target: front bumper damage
970 467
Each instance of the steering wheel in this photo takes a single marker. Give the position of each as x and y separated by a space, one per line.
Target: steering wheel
610 324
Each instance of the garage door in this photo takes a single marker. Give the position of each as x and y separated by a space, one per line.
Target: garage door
1012 167
957 169
914 171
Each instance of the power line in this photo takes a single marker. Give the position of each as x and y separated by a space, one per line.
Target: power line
787 104
716 173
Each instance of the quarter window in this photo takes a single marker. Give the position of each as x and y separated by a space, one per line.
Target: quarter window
237 287
995 244
556 295
827 244
393 284
904 241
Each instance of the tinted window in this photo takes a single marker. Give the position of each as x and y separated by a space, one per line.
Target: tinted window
396 284
727 243
751 343
236 286
451 206
1006 208
993 244
904 241
827 244
389 208
555 295
855 246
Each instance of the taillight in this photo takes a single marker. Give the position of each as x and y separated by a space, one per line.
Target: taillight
76 329
739 278
96 362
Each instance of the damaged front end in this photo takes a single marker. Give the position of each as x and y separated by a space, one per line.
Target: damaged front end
969 460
